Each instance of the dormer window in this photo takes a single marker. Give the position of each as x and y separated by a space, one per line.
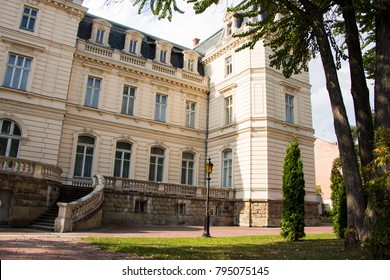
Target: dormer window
191 61
163 52
163 56
99 36
133 42
230 24
100 31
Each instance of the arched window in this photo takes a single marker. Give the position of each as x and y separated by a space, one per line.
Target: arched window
84 156
10 136
227 163
122 160
187 168
156 167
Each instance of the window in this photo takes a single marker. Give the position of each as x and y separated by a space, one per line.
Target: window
289 99
128 99
99 36
187 169
133 47
29 18
229 29
10 136
140 206
156 167
191 64
228 110
190 114
180 209
18 71
93 92
163 56
161 107
122 160
227 158
228 65
84 157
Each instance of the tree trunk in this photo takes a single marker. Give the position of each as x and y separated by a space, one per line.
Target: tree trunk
352 180
382 71
359 89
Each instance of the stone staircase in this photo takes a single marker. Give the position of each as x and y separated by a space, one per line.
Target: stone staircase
67 194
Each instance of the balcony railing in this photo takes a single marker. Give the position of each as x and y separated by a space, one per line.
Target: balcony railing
81 209
122 184
140 62
29 168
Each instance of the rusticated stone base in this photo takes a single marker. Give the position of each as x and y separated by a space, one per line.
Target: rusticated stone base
23 199
269 213
156 209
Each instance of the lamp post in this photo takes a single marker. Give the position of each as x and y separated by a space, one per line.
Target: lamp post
209 170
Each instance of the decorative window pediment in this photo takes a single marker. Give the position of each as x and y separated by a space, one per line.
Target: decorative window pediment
191 61
163 52
100 31
133 42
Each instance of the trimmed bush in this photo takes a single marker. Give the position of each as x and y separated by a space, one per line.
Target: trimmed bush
293 208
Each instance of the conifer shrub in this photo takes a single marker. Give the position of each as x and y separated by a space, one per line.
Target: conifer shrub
339 200
293 207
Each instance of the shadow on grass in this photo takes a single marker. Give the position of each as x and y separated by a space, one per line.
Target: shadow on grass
231 248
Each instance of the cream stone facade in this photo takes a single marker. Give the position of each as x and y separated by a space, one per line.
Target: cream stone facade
96 97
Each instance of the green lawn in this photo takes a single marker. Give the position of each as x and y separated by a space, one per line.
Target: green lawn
270 247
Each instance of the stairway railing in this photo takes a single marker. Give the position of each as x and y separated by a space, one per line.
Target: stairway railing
70 213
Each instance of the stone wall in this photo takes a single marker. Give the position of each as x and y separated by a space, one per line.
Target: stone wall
125 207
24 199
269 213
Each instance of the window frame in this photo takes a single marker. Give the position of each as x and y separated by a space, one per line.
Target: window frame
227 168
83 166
180 209
156 167
100 33
289 108
122 160
161 108
228 65
29 16
188 172
228 110
24 72
130 100
191 113
11 138
91 91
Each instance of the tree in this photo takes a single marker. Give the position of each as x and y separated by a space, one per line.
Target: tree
297 30
339 200
293 190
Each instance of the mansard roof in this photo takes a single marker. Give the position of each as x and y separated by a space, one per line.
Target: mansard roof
117 36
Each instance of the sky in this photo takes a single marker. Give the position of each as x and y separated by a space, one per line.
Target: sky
185 27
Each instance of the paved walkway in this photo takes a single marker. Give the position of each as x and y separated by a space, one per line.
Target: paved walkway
28 244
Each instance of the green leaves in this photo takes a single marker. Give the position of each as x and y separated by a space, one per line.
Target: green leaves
293 208
160 8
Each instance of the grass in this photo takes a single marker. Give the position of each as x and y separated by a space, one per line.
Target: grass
270 247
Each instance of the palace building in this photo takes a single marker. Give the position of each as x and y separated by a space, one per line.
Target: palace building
90 96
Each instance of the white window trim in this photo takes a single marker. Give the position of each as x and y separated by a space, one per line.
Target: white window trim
134 99
166 107
131 156
133 35
100 24
91 75
195 112
223 169
166 161
90 133
230 72
190 55
163 45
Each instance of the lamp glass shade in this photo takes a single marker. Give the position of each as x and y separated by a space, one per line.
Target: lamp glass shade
209 167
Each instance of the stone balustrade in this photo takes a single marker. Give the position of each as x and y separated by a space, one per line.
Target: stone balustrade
73 212
146 64
122 184
34 169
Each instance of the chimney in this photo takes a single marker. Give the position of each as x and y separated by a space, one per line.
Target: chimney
195 41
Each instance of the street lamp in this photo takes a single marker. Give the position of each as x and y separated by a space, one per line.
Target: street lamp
209 170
